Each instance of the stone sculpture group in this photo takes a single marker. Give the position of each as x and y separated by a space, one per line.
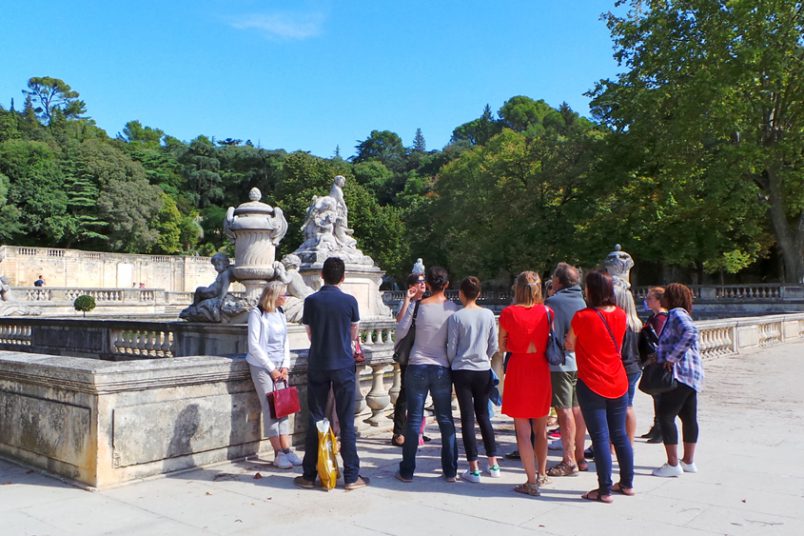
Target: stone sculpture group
257 229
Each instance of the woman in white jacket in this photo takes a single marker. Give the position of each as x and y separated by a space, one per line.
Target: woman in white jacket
269 360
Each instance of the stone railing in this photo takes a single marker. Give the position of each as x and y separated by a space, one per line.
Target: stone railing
752 292
741 335
69 294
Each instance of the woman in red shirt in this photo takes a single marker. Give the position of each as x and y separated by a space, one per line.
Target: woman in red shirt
596 335
527 391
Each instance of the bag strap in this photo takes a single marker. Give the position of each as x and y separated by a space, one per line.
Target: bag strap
280 381
415 312
605 323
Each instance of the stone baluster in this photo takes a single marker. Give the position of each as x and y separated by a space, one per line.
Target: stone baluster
360 399
396 386
377 398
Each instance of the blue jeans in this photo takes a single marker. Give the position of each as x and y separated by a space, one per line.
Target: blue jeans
419 379
605 420
343 387
632 385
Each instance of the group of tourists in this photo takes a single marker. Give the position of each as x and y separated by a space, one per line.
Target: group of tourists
603 342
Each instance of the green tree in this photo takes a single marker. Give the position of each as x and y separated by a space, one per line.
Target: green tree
130 206
10 227
36 189
52 97
478 131
201 168
714 89
419 145
382 145
135 132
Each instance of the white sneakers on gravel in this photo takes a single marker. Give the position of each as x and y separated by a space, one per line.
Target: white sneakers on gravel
668 471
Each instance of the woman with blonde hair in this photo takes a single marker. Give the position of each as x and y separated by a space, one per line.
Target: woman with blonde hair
524 329
268 358
630 352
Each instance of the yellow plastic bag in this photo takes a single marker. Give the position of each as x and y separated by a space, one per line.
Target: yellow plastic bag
327 455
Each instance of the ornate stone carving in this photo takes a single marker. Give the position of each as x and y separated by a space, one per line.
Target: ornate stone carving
256 229
214 303
9 307
287 271
618 264
326 230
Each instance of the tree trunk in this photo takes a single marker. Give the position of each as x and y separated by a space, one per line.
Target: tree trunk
789 237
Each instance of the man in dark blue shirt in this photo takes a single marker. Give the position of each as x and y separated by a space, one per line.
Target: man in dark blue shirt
332 321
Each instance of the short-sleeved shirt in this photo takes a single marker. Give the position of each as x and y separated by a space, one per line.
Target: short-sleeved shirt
600 365
330 313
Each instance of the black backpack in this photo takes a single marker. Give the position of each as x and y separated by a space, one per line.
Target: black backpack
648 341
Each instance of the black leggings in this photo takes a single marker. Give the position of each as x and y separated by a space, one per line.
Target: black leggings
682 402
401 406
472 389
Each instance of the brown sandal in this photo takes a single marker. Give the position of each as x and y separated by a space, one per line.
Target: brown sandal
563 469
528 489
618 488
594 495
583 466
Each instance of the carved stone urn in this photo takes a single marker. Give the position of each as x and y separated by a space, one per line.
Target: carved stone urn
618 264
256 229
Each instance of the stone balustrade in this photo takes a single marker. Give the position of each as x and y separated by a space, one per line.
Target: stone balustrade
101 423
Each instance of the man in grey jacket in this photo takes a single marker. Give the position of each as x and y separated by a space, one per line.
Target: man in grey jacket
566 300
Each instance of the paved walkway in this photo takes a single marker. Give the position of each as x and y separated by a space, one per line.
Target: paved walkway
751 481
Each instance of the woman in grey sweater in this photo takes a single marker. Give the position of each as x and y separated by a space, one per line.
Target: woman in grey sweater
428 371
471 343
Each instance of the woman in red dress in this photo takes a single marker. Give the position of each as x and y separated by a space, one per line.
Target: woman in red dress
527 393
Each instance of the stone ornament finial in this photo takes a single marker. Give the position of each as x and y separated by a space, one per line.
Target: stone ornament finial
254 194
618 265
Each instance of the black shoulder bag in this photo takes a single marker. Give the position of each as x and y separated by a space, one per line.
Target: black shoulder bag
403 346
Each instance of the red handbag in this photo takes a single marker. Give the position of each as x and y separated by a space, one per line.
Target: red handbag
283 402
359 356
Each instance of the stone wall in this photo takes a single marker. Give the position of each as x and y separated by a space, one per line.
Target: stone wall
102 423
21 265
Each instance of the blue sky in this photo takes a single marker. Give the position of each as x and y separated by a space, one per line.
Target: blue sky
306 74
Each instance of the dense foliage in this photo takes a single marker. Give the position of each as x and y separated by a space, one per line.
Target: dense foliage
693 161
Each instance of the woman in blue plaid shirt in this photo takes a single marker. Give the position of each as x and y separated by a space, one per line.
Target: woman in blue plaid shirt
678 349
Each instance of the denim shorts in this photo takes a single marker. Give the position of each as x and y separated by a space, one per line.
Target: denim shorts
633 379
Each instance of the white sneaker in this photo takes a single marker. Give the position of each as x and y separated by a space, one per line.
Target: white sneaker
668 471
471 476
294 459
555 445
281 461
689 467
494 471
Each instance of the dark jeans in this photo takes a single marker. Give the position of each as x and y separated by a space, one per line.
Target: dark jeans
681 401
343 386
472 389
419 379
605 421
401 405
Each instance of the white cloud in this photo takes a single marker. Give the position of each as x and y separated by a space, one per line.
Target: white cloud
291 26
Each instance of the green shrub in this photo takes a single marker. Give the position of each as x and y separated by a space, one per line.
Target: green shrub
84 303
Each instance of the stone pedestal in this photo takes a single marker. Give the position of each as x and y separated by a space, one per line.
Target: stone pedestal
362 282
